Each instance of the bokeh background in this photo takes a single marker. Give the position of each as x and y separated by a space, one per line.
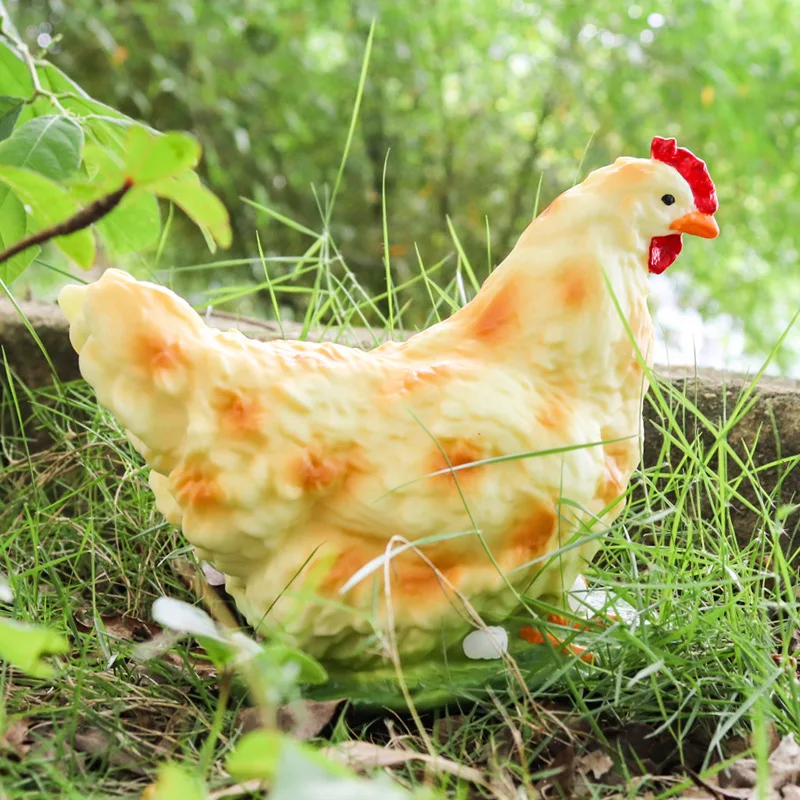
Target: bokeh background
481 107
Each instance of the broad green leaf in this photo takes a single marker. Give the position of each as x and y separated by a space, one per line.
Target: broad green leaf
255 756
133 226
105 167
50 204
153 157
176 783
50 145
13 228
78 101
219 651
311 671
16 79
258 753
9 113
110 133
200 204
26 646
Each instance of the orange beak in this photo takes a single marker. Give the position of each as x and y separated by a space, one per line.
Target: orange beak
697 224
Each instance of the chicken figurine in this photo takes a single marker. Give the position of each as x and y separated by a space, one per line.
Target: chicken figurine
469 465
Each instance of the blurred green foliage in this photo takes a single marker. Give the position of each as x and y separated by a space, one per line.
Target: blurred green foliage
474 102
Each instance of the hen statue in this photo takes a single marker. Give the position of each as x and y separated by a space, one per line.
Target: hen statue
291 465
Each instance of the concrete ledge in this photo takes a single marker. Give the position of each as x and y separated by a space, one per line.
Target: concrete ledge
770 429
31 367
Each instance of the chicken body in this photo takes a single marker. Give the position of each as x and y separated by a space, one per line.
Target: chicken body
291 465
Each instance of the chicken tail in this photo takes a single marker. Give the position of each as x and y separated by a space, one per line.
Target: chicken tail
138 346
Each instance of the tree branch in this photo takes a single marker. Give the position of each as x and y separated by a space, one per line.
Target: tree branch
83 219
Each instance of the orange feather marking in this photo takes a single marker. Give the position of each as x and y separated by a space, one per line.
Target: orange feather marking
530 539
493 314
238 412
316 470
411 576
457 453
154 353
580 284
555 413
533 636
423 376
614 480
192 486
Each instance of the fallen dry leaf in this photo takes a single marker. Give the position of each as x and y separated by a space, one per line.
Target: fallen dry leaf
249 719
118 626
213 576
597 763
305 719
564 780
95 742
248 788
15 738
740 780
784 769
366 756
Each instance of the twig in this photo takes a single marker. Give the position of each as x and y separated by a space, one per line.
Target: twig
83 219
701 784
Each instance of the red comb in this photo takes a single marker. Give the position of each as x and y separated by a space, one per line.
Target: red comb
693 170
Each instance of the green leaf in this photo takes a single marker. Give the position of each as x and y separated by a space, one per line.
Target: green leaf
311 671
13 227
49 145
50 204
9 113
79 101
153 157
176 783
256 756
220 652
200 204
104 166
26 646
16 78
133 226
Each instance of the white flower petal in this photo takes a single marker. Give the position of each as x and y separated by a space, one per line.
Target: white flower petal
6 595
488 644
590 602
576 594
246 648
184 618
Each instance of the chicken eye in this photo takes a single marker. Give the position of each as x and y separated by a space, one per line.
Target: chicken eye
668 199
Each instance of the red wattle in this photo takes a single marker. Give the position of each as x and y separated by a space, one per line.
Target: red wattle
663 252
